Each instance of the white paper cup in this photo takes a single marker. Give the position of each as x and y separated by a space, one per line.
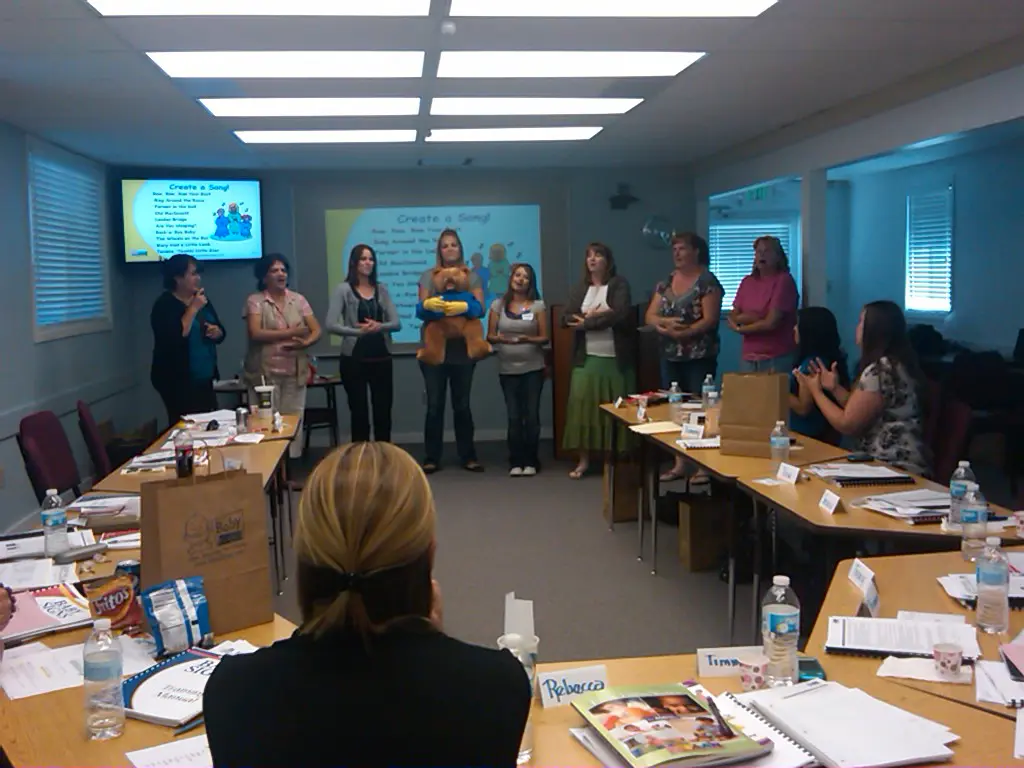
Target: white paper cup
948 658
1018 518
752 672
265 400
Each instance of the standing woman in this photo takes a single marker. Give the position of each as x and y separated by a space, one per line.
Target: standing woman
883 409
456 370
598 310
281 327
685 310
517 327
186 332
764 310
363 314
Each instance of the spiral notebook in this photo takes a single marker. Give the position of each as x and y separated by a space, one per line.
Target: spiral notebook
994 684
47 610
170 692
859 636
856 475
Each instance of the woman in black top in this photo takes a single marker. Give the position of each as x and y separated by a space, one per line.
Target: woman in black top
186 332
369 678
363 314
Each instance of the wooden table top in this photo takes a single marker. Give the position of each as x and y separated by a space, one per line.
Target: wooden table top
802 500
908 582
806 451
261 457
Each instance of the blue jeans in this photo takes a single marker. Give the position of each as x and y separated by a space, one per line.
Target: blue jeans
437 379
522 400
781 364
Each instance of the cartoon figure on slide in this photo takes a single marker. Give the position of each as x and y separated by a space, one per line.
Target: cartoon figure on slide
498 269
452 314
232 224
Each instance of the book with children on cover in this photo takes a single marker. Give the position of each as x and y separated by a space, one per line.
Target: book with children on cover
665 725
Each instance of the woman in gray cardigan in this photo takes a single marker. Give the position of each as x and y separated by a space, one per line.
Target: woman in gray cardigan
363 314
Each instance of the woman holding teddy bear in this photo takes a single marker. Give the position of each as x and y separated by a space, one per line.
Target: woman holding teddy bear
457 366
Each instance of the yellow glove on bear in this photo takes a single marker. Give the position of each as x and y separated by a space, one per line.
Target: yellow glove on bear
452 308
434 304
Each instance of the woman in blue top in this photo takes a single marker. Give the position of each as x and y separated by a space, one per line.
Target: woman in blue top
817 339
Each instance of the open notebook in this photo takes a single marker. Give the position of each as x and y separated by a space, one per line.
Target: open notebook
846 728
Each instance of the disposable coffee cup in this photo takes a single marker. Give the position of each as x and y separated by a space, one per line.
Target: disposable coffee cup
948 658
1018 518
265 400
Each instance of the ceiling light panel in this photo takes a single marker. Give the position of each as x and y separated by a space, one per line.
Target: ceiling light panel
312 107
243 65
403 136
560 133
530 106
523 64
611 9
251 8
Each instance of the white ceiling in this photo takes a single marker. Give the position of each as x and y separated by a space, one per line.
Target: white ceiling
83 81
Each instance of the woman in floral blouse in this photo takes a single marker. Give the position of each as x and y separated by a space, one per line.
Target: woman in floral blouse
883 409
684 310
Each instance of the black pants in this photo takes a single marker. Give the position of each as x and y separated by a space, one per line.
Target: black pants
437 378
376 379
522 401
689 374
188 397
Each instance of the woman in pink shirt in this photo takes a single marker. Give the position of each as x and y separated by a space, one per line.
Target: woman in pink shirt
764 310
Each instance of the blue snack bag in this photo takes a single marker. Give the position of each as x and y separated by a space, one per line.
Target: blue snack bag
178 615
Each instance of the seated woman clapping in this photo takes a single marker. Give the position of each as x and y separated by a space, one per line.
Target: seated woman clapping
369 678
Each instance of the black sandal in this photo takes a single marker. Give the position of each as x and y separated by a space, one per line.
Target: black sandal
473 466
429 467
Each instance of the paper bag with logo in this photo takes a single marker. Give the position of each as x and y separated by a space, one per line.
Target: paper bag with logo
215 527
751 404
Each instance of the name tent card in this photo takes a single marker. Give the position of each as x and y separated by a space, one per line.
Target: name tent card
861 576
830 503
693 431
871 604
560 688
788 473
724 662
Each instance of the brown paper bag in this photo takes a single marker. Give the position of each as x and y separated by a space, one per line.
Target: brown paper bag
215 527
751 404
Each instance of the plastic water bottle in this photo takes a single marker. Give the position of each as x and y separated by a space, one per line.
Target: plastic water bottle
675 403
525 651
102 667
958 487
779 445
993 575
55 524
707 392
780 629
973 521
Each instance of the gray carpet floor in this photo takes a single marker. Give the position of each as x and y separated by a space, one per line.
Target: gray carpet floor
544 538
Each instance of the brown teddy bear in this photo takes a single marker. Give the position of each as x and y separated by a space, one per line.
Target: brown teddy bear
453 313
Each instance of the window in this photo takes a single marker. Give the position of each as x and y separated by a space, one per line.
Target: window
731 247
930 251
67 219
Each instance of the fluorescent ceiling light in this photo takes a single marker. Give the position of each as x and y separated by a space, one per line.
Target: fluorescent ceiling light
261 7
327 137
562 133
608 9
520 64
530 106
309 107
241 65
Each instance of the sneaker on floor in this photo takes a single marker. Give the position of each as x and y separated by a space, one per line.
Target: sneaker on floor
516 472
529 471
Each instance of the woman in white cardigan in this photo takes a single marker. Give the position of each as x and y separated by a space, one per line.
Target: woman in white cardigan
364 316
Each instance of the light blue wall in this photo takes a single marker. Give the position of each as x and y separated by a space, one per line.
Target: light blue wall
988 229
97 368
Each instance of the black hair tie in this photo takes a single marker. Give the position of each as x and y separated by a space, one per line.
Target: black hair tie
346 581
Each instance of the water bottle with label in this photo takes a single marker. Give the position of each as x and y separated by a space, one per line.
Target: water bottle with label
958 487
675 403
55 524
525 651
102 667
973 521
707 392
993 578
780 630
779 445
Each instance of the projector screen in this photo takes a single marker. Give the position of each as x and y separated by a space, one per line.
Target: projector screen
493 237
208 219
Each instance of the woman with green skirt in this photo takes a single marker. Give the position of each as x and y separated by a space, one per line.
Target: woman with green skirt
599 309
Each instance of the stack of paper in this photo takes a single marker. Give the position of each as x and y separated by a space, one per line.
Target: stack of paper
963 587
655 428
183 753
994 685
223 416
895 637
36 573
95 505
703 442
921 505
844 726
20 546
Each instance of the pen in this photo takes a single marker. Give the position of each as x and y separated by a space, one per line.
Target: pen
189 726
723 726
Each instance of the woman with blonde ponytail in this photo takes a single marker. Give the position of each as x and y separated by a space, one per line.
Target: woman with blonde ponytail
369 678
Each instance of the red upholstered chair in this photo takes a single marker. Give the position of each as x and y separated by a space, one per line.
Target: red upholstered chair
49 461
93 441
950 440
